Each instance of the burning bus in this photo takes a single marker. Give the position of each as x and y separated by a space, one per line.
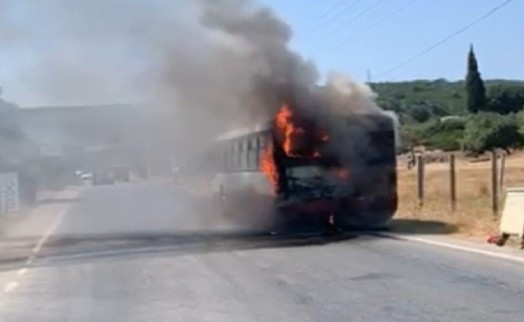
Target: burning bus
308 172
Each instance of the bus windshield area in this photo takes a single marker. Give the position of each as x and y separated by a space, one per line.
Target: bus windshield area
324 177
316 181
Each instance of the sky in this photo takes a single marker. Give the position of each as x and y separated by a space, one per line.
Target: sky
362 38
355 36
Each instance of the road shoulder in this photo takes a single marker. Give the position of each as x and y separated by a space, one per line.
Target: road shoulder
26 234
461 244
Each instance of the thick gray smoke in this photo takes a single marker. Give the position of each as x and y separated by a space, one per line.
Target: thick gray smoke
196 67
208 65
248 70
257 71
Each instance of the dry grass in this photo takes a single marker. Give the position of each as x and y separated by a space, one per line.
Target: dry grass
473 215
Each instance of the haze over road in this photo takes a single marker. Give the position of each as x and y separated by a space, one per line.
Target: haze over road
137 252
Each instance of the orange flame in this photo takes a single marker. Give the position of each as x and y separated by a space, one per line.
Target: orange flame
289 134
267 165
285 124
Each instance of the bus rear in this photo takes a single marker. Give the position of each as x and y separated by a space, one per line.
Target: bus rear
354 188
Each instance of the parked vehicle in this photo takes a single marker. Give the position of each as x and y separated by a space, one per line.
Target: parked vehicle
121 173
103 178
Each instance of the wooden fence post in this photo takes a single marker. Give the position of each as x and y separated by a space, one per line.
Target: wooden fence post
452 182
494 184
420 180
502 169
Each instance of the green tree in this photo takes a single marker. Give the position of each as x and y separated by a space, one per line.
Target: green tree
390 104
444 134
475 90
439 134
487 131
505 98
420 113
520 120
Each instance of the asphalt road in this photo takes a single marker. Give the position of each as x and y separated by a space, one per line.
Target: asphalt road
149 252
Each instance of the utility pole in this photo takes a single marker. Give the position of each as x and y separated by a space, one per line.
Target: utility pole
368 74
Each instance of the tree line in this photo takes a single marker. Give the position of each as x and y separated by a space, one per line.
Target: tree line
472 115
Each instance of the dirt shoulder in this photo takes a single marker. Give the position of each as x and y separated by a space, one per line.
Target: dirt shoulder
473 217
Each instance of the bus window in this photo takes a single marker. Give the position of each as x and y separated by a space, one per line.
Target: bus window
260 148
234 156
254 153
232 153
240 155
261 142
249 154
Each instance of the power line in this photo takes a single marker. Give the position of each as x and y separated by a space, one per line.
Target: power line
446 39
339 14
360 14
379 22
327 12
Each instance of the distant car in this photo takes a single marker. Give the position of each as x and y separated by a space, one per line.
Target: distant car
103 177
121 174
86 176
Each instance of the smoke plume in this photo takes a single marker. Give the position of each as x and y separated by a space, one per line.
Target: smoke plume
207 65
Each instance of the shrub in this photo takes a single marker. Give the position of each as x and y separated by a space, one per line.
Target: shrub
505 98
487 131
420 114
435 134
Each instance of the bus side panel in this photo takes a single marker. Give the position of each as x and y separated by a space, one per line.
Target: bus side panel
246 198
241 182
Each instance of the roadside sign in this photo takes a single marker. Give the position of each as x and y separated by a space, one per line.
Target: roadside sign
9 198
512 221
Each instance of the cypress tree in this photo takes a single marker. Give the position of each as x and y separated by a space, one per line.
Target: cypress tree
475 90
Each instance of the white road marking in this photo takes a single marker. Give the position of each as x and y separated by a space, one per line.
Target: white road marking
458 247
21 271
51 229
10 287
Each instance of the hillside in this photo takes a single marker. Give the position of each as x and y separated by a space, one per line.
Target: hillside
439 97
422 105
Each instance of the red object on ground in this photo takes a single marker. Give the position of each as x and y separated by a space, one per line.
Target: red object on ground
492 239
497 240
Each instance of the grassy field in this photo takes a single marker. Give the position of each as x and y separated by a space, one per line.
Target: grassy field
473 215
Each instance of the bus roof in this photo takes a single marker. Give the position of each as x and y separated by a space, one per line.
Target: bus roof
237 133
385 120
